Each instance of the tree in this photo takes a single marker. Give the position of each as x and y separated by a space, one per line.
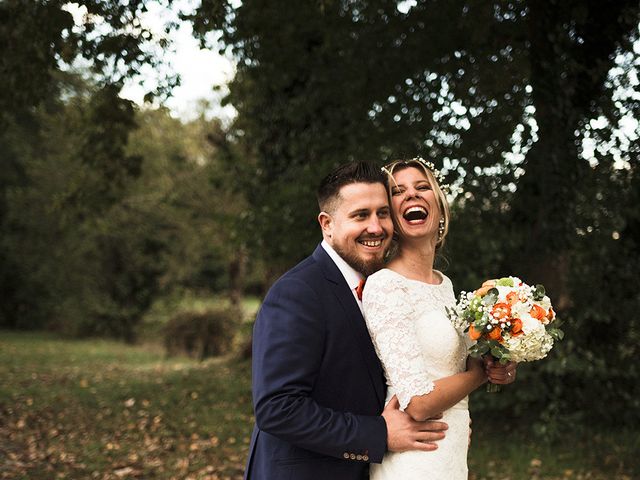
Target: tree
504 95
452 80
39 37
188 176
65 224
40 41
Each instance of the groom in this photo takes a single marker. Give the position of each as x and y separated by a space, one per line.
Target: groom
318 386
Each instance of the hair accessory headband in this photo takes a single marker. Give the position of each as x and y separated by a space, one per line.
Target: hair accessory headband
429 165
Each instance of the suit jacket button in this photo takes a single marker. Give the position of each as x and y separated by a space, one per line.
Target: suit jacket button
345 455
365 458
358 457
352 456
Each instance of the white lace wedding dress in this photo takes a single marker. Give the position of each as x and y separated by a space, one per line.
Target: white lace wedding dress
417 344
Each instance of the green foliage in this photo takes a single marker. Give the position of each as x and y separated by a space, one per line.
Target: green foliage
67 222
100 219
39 37
502 95
292 115
31 39
71 256
366 80
202 334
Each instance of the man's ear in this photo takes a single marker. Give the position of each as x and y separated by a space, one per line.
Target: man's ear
326 224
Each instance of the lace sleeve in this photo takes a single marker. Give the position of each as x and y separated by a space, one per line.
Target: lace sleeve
390 318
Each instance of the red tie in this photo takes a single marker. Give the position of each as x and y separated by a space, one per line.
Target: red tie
360 287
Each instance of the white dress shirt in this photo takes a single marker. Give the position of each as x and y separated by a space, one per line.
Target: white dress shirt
351 276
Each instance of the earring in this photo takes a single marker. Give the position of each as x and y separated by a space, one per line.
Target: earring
441 229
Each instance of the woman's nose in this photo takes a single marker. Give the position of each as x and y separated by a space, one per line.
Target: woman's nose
410 193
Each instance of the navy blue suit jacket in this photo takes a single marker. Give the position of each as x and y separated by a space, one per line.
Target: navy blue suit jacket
318 386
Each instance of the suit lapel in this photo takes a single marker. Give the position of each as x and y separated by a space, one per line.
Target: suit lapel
353 315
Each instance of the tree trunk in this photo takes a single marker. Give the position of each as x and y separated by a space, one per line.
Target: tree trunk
237 271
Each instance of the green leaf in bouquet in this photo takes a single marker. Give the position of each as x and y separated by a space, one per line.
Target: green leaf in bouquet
499 352
474 351
555 333
475 303
479 349
451 312
506 356
538 292
505 282
468 316
491 297
480 323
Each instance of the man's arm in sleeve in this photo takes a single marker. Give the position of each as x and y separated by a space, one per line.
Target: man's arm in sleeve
288 346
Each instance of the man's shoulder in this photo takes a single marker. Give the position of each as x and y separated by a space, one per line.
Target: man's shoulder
314 272
308 270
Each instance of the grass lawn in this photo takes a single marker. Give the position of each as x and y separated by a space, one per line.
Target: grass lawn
499 454
96 409
105 410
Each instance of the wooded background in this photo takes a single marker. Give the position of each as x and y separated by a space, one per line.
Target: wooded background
531 109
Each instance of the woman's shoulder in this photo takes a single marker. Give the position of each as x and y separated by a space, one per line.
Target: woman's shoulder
445 280
445 289
385 291
383 275
385 280
387 275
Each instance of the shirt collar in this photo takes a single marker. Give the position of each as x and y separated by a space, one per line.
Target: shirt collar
351 276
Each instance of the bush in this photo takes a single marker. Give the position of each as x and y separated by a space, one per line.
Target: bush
202 334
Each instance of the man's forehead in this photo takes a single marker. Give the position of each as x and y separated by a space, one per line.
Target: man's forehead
362 189
362 194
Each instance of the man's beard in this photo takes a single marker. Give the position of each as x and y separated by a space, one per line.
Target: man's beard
358 264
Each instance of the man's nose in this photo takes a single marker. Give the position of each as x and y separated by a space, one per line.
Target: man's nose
374 225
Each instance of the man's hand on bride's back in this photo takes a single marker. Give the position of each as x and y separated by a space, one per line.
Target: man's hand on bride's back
404 433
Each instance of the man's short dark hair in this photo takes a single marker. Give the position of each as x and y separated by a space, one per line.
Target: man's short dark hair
356 172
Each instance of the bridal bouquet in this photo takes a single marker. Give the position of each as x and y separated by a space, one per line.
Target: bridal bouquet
507 319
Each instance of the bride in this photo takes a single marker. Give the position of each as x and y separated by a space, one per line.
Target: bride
424 359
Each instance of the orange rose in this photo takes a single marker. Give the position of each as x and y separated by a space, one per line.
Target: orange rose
538 312
495 334
512 298
486 286
551 314
482 291
516 327
473 333
501 311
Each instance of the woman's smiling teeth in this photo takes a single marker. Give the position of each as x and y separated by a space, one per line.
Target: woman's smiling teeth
415 214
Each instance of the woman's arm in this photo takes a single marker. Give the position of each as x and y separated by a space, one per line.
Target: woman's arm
448 391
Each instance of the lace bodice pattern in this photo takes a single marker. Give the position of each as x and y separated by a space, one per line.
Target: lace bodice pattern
410 330
417 344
